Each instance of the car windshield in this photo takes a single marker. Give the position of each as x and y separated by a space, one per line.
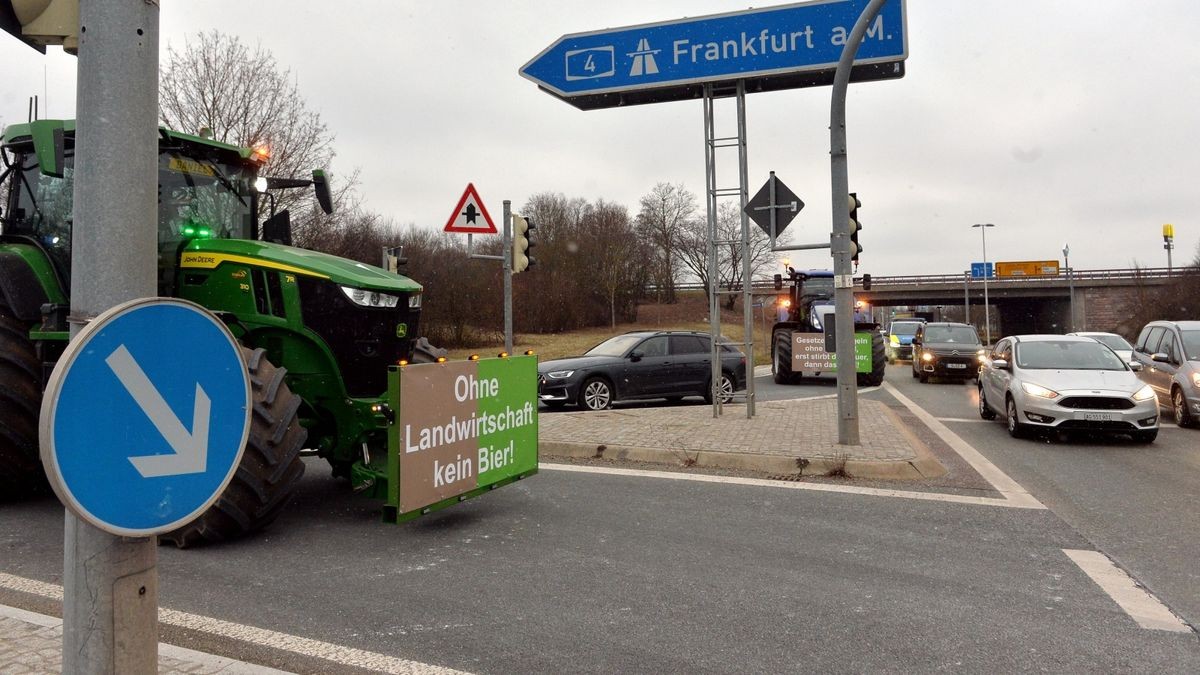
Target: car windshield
1191 344
960 334
1067 355
1114 342
904 328
615 346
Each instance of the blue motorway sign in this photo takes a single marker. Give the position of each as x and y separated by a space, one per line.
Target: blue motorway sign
757 45
980 270
145 417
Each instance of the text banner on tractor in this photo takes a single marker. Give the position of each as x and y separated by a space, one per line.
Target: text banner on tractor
145 417
463 428
809 353
771 48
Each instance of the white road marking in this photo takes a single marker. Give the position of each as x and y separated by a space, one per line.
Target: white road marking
1006 486
1136 601
789 485
347 656
961 419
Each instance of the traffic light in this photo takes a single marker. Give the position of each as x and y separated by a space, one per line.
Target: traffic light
522 241
855 226
38 23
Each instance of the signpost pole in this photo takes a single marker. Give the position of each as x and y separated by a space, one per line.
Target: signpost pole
747 291
110 597
966 297
843 293
508 263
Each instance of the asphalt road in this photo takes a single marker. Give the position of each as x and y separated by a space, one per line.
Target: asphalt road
595 572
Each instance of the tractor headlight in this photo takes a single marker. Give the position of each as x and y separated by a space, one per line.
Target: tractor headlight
414 301
365 298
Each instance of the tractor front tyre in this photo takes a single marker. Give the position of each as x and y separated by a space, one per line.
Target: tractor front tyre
270 468
781 357
424 352
878 363
21 473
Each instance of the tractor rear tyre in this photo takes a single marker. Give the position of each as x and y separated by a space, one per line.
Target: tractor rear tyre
21 473
781 357
878 363
270 468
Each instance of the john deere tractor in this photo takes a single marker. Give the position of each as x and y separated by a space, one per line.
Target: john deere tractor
318 331
798 344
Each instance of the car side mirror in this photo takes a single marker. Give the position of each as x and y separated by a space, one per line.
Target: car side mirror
1161 357
1001 364
635 355
1135 367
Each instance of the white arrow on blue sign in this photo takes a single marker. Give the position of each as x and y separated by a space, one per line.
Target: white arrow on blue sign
754 43
145 417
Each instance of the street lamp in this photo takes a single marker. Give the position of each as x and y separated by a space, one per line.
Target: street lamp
1070 284
987 314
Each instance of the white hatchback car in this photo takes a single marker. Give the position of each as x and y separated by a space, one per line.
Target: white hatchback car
1115 342
1065 383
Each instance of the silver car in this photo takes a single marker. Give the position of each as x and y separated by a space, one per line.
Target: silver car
1115 342
1065 383
1169 352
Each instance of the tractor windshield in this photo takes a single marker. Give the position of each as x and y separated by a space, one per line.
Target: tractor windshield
197 199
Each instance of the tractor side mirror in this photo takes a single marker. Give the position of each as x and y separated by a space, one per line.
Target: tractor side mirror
278 228
321 186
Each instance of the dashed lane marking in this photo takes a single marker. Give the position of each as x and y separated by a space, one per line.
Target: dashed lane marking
787 485
347 656
1012 491
1148 611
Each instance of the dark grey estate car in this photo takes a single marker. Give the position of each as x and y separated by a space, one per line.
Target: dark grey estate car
1169 352
640 365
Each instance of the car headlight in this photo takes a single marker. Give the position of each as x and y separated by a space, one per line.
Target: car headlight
981 356
926 356
366 298
559 374
1144 394
1037 390
1196 379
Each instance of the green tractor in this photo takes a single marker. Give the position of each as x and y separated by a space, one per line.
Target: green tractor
318 332
798 342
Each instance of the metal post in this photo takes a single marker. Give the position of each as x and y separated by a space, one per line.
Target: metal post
967 296
843 279
747 294
710 172
1071 290
987 310
508 304
110 583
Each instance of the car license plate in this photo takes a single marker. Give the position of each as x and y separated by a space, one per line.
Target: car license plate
1098 417
956 365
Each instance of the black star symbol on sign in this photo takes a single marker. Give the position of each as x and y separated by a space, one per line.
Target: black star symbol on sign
470 213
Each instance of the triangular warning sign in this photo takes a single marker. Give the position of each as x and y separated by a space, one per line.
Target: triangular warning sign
470 215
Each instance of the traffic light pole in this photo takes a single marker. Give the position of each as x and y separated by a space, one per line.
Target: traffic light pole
843 276
110 596
508 266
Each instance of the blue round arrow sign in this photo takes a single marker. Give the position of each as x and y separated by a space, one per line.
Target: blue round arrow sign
145 417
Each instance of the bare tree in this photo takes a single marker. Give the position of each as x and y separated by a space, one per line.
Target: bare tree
242 97
693 250
665 212
616 263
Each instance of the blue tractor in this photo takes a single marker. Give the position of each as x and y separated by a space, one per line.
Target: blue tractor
798 346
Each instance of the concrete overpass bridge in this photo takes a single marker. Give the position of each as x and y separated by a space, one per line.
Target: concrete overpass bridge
1098 300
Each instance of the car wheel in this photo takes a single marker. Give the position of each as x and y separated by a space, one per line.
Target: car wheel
1179 406
725 386
1015 428
1145 436
596 394
985 411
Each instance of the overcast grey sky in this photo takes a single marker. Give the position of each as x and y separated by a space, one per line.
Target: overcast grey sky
1060 121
